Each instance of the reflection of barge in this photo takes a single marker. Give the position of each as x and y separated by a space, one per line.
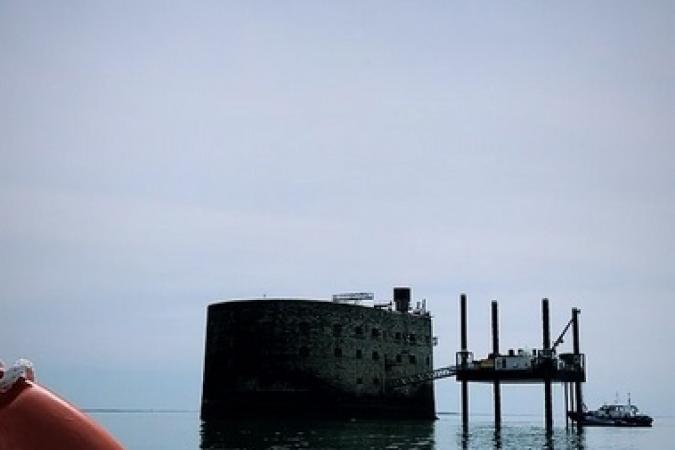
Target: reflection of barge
616 415
291 357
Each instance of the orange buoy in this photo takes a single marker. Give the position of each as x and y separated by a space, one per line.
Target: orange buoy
33 418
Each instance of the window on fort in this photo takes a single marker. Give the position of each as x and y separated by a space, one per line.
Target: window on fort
412 338
359 381
304 328
376 356
359 354
358 331
304 351
427 339
398 358
337 352
427 361
398 335
412 359
375 333
376 380
337 330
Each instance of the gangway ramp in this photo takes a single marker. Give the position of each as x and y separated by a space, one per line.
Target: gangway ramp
443 372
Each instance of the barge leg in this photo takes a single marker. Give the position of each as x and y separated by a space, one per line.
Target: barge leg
465 384
548 409
567 404
572 397
496 388
575 344
548 405
498 404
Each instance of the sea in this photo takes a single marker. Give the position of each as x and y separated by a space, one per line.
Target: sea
182 430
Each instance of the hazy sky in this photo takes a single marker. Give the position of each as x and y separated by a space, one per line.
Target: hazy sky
157 157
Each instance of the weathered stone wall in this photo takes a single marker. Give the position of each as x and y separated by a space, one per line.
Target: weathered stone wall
337 353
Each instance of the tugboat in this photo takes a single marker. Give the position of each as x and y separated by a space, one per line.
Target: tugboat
616 415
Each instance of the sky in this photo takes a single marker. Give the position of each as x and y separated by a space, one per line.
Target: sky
161 156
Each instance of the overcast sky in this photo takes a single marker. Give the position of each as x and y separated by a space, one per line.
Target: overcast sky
157 157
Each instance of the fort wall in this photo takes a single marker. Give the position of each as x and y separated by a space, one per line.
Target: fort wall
314 357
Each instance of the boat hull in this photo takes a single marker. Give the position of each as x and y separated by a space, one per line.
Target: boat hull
589 420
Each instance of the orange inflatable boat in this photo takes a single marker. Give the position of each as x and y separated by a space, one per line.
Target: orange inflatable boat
33 418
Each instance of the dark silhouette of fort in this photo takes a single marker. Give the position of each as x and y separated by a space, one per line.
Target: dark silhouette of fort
291 357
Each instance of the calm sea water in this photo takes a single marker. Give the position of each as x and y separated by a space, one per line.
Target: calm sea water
184 431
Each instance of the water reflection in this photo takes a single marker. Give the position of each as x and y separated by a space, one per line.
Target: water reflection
287 434
390 434
518 436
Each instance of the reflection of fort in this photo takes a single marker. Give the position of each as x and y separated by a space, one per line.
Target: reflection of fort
309 357
356 434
